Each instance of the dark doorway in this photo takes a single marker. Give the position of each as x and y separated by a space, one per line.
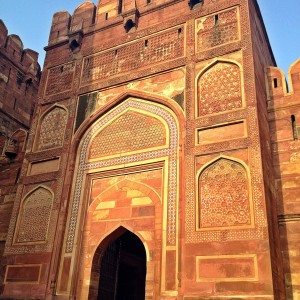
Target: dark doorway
123 269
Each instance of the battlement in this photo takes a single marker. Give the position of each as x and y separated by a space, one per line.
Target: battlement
87 16
279 86
12 47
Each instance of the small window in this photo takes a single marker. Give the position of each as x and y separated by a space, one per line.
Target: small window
74 45
146 43
129 25
275 83
106 16
179 32
120 6
216 19
20 78
194 3
294 127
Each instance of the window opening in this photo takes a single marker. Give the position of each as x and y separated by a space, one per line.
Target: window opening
216 19
179 32
194 3
294 127
120 6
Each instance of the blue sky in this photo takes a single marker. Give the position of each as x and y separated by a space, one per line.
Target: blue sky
31 20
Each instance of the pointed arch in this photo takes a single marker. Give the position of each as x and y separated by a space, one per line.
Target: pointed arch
117 231
219 87
107 252
156 99
224 195
34 218
51 128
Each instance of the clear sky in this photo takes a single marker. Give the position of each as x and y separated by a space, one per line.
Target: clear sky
31 20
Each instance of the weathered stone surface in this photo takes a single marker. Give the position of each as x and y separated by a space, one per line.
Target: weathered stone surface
157 131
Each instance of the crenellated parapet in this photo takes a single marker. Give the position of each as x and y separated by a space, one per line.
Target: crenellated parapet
279 86
19 80
88 17
11 46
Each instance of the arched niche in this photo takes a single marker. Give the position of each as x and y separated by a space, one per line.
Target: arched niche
224 196
34 216
219 88
51 128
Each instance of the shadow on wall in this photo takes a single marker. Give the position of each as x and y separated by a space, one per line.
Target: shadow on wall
284 122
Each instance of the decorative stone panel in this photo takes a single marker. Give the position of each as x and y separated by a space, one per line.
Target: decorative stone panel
217 29
219 89
130 132
224 195
52 129
35 216
60 79
144 52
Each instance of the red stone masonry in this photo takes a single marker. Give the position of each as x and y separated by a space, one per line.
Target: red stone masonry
199 181
19 80
284 116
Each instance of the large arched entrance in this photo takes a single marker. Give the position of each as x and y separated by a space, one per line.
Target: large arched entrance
126 174
119 268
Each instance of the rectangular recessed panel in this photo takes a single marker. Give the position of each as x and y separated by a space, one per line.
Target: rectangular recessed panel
226 268
45 166
222 132
23 273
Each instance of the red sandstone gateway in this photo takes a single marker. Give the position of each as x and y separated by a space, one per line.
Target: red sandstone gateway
162 161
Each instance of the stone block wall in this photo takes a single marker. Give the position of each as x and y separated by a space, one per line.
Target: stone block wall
19 78
152 118
284 123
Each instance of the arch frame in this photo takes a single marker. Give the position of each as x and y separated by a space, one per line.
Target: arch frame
20 215
250 200
164 103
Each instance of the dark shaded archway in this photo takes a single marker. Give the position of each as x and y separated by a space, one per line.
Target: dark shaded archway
119 268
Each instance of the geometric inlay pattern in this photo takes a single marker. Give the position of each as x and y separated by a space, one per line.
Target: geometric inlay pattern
60 79
219 89
132 131
224 195
35 216
144 52
52 129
